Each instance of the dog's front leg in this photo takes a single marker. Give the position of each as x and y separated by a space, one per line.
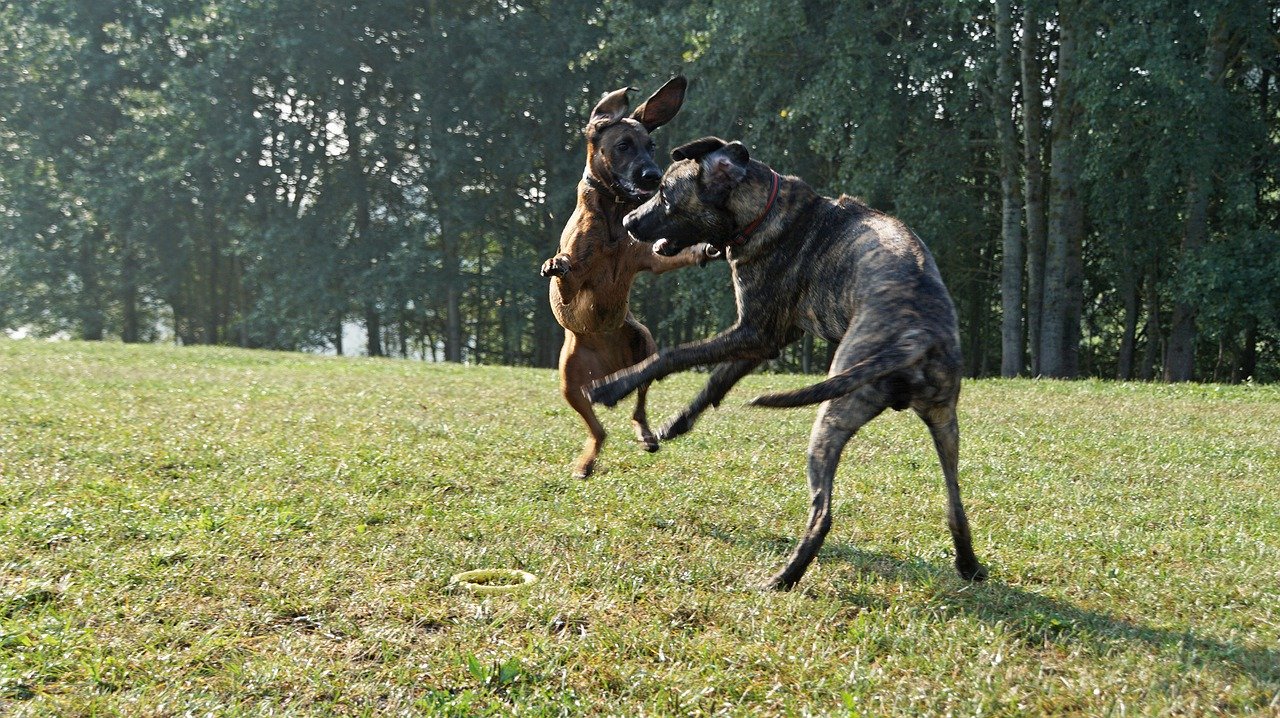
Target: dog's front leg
723 377
698 254
742 342
557 266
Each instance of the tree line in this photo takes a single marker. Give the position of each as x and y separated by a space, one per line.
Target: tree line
1098 181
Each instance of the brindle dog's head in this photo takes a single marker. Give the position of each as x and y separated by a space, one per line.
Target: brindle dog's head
693 203
619 149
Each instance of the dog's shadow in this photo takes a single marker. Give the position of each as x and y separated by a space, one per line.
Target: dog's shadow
1040 620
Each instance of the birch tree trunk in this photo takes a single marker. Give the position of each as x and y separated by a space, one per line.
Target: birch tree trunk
1033 159
1010 199
1065 210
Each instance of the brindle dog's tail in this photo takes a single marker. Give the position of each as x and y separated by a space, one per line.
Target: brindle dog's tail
878 359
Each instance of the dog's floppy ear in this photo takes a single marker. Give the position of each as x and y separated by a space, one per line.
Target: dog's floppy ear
724 169
609 109
662 105
697 149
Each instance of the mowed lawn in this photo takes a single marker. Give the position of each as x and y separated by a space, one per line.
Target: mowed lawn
193 530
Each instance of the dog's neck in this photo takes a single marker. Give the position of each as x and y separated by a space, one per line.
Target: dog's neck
745 233
602 201
607 192
767 218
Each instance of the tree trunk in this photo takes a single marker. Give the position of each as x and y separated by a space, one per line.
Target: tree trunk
1129 294
1010 199
1180 360
547 334
242 300
1073 322
211 290
1065 211
92 321
402 329
373 327
452 268
360 229
1147 371
1033 158
1247 363
480 325
129 332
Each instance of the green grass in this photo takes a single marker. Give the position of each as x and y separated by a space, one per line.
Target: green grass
244 533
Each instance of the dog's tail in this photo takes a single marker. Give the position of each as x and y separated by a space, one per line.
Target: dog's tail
876 360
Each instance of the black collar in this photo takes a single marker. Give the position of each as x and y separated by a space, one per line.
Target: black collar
604 189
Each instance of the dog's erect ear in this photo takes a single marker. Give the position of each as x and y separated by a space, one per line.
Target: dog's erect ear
697 149
724 169
737 152
610 108
662 105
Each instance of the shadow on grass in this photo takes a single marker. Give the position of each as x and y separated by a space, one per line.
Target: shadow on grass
1035 618
1039 619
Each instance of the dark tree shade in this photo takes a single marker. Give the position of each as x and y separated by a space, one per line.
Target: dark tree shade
1098 181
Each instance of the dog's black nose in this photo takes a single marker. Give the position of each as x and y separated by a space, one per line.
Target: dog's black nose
650 177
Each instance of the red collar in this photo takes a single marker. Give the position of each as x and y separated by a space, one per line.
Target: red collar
747 231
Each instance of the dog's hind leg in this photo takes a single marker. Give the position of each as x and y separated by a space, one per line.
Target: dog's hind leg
640 421
945 429
586 463
578 364
723 377
838 420
641 346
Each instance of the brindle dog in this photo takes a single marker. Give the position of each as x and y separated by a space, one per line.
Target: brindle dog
832 267
598 260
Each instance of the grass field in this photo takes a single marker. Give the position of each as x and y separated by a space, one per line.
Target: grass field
191 531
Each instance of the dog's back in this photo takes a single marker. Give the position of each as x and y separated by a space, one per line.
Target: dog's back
858 266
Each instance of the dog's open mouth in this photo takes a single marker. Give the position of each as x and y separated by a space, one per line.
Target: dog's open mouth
632 192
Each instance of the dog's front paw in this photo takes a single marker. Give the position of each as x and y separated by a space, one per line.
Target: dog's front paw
557 266
608 393
707 253
778 582
679 426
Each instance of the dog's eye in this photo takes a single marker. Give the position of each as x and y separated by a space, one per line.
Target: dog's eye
622 146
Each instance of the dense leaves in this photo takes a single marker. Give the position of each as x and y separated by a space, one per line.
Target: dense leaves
276 173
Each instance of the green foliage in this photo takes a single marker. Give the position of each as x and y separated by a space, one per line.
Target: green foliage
262 173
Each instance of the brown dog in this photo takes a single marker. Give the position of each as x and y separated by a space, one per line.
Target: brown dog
598 260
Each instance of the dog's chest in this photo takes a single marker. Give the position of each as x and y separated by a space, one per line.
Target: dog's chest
595 306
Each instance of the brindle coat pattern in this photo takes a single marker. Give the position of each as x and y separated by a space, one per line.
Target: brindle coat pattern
832 267
598 261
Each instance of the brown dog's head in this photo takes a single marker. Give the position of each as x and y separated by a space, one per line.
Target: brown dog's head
619 149
693 203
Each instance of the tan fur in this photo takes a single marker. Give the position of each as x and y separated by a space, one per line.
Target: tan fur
590 286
